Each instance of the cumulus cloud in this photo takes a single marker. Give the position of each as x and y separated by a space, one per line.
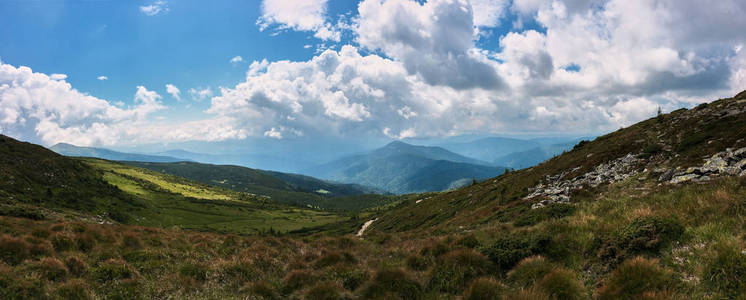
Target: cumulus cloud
155 8
173 91
102 78
37 108
487 13
299 15
58 76
433 40
200 94
236 59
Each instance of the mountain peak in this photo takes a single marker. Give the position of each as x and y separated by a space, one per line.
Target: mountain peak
741 95
397 144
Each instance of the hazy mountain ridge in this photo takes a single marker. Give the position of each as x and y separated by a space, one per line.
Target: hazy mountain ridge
77 151
403 168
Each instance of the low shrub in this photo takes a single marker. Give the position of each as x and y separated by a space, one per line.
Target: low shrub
75 289
468 241
76 266
351 277
551 211
52 269
333 258
39 247
561 283
130 240
453 271
644 235
41 233
484 288
635 277
435 249
508 250
130 289
324 291
85 242
395 283
530 270
262 290
112 270
241 270
196 271
22 288
297 279
13 250
62 242
726 271
418 263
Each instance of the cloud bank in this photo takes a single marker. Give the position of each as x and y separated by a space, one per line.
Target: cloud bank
416 69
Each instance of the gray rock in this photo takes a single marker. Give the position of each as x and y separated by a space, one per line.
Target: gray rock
683 178
667 175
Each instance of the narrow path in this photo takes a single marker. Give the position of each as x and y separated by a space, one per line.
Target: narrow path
365 226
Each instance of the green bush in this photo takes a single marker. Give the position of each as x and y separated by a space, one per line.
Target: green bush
484 289
76 266
112 270
263 290
644 235
530 270
551 211
468 241
73 290
62 242
395 283
333 258
324 291
635 277
726 271
130 240
436 249
52 269
241 270
85 242
13 250
508 250
197 271
39 247
130 289
453 271
351 277
562 284
21 288
418 263
298 279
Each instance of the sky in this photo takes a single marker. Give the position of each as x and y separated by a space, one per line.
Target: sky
128 73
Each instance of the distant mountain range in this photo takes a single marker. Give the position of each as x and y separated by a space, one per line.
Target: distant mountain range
511 152
403 168
76 151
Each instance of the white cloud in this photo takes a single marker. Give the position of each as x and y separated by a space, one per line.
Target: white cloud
298 15
236 59
174 91
434 40
102 77
200 93
58 76
487 13
157 7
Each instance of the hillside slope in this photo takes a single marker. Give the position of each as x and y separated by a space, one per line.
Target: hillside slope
279 187
402 168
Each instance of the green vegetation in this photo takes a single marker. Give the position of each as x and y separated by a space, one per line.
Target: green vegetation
279 187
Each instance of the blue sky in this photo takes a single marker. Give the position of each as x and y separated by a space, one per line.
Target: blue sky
388 69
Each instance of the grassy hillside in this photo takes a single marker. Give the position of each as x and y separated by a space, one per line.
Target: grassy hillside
39 183
279 187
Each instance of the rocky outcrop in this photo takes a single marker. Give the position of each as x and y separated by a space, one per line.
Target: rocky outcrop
555 189
729 162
